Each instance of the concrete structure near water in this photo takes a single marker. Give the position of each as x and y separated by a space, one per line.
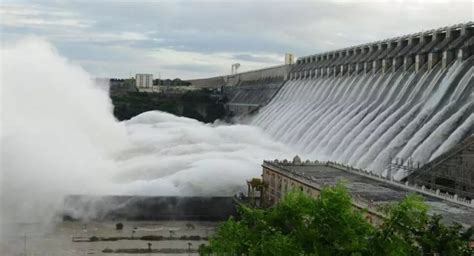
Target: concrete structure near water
246 92
368 191
428 48
148 208
451 172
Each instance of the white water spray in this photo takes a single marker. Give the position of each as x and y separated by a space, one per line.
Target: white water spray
367 119
59 137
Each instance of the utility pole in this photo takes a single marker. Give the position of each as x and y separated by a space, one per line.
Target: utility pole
234 68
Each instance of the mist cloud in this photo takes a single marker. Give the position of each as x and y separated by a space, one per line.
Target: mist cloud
59 137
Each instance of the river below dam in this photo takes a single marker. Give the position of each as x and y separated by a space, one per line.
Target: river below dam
71 238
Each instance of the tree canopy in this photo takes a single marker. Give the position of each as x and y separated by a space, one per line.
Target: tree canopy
329 225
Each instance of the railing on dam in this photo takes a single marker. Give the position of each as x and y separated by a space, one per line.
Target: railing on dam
428 48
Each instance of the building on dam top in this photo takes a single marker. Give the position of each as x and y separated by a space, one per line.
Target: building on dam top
368 191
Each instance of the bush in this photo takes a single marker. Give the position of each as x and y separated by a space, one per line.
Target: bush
329 225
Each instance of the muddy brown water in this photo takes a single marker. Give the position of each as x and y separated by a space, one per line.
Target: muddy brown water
57 238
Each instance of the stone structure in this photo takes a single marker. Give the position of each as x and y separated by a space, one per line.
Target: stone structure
451 172
368 191
208 83
249 96
428 48
246 92
144 81
149 208
276 72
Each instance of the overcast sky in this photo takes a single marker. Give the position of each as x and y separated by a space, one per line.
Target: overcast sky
194 39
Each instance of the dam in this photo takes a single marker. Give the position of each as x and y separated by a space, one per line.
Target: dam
409 98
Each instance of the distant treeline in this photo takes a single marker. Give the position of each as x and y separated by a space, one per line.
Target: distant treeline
199 105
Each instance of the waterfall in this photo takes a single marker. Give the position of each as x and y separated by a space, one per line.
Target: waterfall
367 119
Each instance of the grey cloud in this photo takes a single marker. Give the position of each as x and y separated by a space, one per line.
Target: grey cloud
249 57
200 68
242 29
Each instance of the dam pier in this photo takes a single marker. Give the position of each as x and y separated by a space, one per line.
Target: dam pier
419 49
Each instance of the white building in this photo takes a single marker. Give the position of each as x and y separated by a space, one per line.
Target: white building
144 80
289 58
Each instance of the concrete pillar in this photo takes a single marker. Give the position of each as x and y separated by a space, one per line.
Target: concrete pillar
335 70
358 67
407 62
344 69
367 67
386 64
433 58
396 63
448 57
463 30
323 72
376 64
420 60
351 68
329 71
463 54
449 32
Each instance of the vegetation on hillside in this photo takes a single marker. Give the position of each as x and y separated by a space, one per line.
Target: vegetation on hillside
169 82
329 225
194 104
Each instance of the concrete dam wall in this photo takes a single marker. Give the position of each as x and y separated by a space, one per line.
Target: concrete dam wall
410 97
247 91
410 51
148 208
249 96
277 72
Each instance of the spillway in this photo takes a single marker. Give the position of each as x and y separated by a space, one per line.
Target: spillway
366 118
369 119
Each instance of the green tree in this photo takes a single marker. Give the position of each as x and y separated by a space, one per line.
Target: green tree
329 225
445 240
405 221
